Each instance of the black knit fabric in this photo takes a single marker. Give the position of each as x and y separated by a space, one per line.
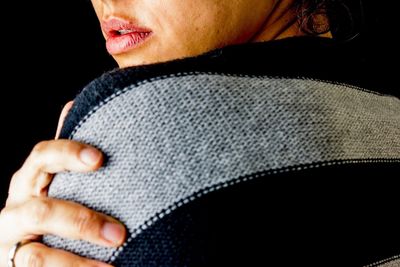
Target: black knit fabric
332 216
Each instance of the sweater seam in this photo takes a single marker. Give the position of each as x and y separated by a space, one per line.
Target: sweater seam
242 179
384 261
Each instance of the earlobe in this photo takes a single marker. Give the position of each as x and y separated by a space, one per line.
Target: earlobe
63 114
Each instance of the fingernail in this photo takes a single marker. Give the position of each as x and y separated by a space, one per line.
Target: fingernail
113 232
90 156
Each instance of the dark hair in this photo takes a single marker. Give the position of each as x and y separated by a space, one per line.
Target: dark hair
344 18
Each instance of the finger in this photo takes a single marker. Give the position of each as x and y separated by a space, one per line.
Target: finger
63 115
43 216
50 157
37 254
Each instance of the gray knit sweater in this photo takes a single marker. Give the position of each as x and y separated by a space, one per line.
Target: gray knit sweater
221 168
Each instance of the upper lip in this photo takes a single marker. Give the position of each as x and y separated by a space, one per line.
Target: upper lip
116 27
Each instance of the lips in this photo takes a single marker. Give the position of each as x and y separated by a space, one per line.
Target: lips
123 36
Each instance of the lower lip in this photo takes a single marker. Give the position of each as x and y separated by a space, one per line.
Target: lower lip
123 43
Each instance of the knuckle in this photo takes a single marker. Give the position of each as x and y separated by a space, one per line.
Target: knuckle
40 209
16 175
39 148
84 222
34 256
68 147
35 159
4 213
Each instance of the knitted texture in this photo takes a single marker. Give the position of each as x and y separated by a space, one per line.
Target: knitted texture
168 139
395 263
340 210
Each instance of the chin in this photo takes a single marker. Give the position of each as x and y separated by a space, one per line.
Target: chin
125 62
137 59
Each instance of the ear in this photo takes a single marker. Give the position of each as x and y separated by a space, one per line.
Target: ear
63 114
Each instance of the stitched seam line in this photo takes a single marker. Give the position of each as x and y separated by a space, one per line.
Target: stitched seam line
383 261
185 74
158 216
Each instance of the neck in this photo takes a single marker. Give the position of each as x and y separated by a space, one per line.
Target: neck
281 23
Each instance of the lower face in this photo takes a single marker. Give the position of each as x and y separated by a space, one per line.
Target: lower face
139 32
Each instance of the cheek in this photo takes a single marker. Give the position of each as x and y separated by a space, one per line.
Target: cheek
195 27
98 8
192 27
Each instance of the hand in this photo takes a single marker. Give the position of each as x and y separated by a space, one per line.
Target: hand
29 213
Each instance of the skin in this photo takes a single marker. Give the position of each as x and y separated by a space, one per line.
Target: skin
189 28
181 29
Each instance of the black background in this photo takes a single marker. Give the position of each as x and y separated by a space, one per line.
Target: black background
51 49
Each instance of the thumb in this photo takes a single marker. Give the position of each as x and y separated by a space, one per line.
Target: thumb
63 114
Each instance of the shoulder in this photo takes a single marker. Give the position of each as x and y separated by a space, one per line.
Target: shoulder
272 67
